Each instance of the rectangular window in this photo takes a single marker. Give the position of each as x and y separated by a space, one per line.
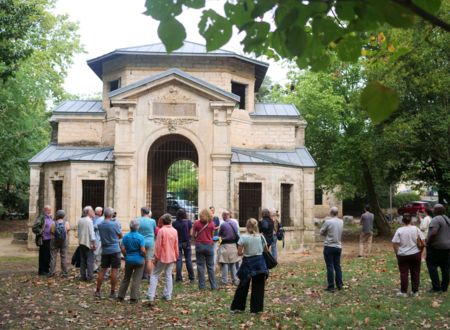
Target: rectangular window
93 193
240 90
318 196
114 84
286 190
249 201
58 190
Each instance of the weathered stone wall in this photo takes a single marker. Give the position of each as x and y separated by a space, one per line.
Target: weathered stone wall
329 199
80 131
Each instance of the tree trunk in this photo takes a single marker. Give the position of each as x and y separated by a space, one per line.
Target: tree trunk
384 229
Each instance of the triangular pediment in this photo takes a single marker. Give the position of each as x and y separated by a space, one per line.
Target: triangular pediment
177 76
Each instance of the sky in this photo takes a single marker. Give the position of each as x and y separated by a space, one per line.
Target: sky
105 25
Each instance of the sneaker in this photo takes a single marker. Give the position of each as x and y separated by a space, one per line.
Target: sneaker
330 290
414 294
168 298
150 299
236 311
121 299
401 294
434 290
98 295
113 295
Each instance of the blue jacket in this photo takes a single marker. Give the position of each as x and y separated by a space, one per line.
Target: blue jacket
252 266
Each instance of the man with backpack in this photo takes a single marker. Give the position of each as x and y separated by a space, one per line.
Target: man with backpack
59 242
41 228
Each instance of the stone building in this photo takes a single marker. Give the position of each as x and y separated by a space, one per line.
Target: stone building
158 108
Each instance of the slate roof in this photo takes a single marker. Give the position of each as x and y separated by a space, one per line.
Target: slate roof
188 49
299 157
80 107
177 72
275 110
54 153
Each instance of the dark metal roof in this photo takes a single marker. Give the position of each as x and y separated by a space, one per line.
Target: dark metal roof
79 107
177 72
188 49
275 110
54 153
299 157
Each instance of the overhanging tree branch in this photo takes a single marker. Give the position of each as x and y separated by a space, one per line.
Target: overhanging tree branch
436 21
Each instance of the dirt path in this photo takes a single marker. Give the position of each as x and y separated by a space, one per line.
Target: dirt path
14 250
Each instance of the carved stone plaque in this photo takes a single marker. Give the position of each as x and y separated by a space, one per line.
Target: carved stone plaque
174 110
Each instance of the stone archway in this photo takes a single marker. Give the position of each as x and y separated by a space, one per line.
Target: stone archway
165 151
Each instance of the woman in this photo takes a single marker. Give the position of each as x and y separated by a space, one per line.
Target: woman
266 226
183 227
228 256
147 227
203 231
253 269
408 255
133 249
425 220
276 226
59 243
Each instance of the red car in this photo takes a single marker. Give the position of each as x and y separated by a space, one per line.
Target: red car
414 207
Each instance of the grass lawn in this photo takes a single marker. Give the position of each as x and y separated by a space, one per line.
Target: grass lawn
294 299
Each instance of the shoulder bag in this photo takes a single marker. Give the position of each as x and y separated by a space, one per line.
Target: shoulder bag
420 242
268 258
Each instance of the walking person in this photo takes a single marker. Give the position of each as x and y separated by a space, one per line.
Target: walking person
266 226
147 227
86 240
133 249
228 252
253 270
43 237
165 256
366 236
408 255
110 234
332 250
438 249
183 227
59 243
203 231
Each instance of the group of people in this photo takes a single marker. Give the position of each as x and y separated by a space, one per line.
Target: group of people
151 248
410 244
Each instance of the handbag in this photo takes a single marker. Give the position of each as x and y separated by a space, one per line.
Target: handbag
420 242
268 257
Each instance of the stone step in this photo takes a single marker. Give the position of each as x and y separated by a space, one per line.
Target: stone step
19 242
20 236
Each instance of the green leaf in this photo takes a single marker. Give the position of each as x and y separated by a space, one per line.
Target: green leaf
296 40
395 14
431 6
278 43
398 53
262 6
196 4
326 30
379 101
345 10
215 29
256 34
321 63
238 14
349 48
163 9
172 34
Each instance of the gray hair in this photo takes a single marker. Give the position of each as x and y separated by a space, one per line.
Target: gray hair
109 211
98 209
134 225
167 219
334 211
86 210
60 214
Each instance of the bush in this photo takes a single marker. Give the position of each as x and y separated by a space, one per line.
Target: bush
404 198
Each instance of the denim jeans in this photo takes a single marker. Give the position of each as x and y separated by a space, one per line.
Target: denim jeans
184 248
332 256
273 247
205 257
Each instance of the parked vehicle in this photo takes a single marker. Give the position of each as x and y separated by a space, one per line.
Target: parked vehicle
173 205
414 207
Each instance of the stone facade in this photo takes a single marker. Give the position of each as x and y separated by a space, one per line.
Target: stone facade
186 100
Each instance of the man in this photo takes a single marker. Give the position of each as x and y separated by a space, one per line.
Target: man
332 230
98 218
216 222
438 249
366 233
86 240
110 234
43 235
165 256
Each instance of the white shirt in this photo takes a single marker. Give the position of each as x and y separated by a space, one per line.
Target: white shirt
86 235
406 237
425 224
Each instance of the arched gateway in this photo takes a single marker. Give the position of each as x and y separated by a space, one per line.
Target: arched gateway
159 109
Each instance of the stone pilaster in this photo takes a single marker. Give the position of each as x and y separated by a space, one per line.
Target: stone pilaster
221 154
33 210
308 205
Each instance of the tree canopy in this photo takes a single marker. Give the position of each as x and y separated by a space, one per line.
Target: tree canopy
307 32
33 81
